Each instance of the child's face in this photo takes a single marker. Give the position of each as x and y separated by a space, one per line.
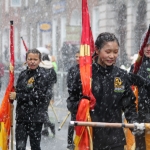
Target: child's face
108 54
33 60
147 50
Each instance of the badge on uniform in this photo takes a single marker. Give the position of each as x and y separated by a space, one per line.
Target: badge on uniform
118 87
30 82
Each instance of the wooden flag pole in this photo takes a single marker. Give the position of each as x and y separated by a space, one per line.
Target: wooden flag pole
103 124
63 121
54 112
11 77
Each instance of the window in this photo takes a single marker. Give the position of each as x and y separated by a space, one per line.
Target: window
26 3
75 19
31 36
38 35
6 6
95 22
15 3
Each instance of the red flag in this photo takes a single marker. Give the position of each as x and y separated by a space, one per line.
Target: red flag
83 138
24 44
5 108
141 53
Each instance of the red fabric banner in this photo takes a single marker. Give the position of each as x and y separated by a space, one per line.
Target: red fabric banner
5 108
83 138
141 53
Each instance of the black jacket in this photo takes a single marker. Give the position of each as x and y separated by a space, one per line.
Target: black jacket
34 90
144 91
113 94
72 72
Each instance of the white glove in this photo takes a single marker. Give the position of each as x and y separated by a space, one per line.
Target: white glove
123 117
138 128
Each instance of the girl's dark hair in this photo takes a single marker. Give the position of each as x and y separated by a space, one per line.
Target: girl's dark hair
105 37
45 57
34 51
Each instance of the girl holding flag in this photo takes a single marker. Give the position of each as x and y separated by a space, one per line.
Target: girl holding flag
33 92
111 89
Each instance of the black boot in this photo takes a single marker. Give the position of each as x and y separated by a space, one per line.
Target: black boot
70 134
52 127
70 147
45 132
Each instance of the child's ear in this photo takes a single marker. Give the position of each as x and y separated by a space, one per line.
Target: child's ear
25 63
96 50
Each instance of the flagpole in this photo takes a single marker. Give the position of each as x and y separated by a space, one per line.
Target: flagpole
11 77
24 44
63 121
81 139
54 112
103 124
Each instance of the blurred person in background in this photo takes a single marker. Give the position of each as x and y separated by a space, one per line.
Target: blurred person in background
143 102
65 50
70 76
52 58
6 52
54 64
68 51
47 64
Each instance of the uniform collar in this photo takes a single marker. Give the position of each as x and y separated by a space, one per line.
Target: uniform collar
104 70
31 71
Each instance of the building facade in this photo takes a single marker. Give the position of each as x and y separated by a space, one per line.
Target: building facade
58 22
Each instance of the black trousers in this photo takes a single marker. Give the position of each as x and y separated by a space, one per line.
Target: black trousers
140 142
47 122
25 129
71 130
